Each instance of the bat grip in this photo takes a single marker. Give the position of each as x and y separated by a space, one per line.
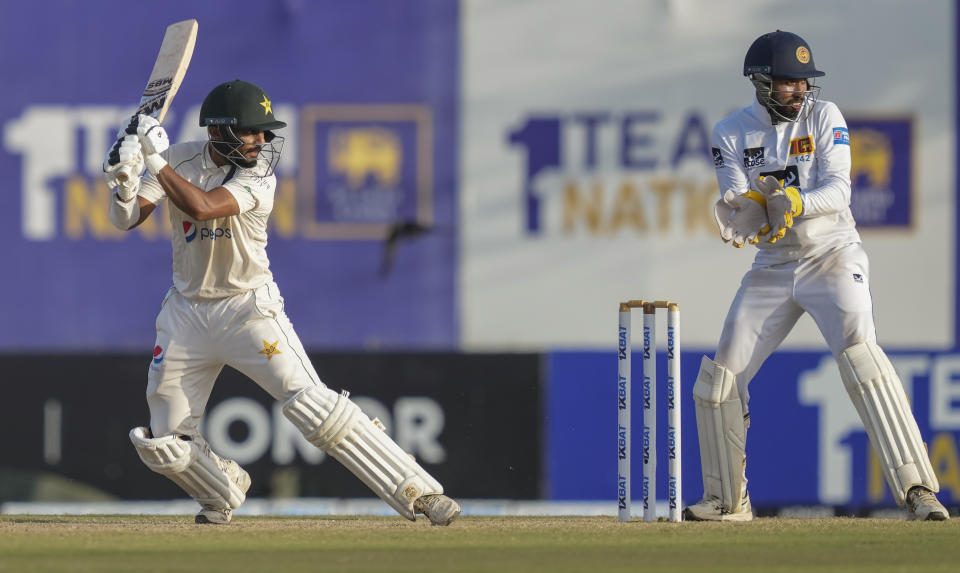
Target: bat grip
123 174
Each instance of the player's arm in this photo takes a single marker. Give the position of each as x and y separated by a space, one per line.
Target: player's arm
731 174
832 193
193 201
741 212
127 215
130 204
196 203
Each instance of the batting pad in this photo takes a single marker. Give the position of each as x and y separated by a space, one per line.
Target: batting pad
333 423
878 396
722 434
187 466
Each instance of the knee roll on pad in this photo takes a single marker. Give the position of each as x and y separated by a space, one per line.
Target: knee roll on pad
878 396
723 436
189 467
333 423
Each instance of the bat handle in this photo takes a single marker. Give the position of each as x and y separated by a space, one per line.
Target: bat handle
123 174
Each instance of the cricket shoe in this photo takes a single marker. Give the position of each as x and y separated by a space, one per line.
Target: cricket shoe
712 510
216 515
923 505
211 515
440 509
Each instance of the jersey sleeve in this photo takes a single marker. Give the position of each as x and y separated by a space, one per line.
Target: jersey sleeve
252 193
832 193
150 188
725 149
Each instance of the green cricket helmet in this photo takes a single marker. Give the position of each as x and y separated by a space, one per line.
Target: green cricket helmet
241 106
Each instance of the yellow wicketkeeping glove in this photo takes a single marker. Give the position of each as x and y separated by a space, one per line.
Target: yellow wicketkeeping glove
783 204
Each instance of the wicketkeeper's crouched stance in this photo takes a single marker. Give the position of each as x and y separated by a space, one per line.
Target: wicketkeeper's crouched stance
225 309
783 166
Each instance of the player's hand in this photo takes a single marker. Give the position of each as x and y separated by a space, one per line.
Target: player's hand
113 155
153 137
154 141
124 157
741 217
783 205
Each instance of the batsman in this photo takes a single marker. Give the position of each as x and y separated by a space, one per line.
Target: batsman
783 167
224 308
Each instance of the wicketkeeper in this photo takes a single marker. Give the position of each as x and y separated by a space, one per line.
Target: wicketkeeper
225 309
783 167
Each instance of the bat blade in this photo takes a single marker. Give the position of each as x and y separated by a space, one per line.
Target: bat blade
171 65
176 50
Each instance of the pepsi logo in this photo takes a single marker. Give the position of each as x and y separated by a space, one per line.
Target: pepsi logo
157 354
189 231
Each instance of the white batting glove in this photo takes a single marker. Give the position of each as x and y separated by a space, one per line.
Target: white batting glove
783 204
113 154
124 157
741 217
154 141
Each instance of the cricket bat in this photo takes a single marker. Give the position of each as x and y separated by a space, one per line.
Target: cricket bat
166 77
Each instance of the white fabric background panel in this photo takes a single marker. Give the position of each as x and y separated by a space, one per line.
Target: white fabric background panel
670 70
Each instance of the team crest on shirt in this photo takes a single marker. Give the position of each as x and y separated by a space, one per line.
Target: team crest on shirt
801 146
753 157
270 349
857 278
717 157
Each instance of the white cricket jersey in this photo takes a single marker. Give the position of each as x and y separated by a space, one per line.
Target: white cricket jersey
225 256
812 155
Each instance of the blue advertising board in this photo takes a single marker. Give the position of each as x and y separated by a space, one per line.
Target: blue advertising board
369 92
881 172
805 445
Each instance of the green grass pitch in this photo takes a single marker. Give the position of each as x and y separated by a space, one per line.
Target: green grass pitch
106 543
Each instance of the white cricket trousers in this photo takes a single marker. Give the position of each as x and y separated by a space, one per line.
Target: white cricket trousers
834 288
197 337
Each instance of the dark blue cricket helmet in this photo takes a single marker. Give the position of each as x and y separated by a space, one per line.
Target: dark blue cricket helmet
781 55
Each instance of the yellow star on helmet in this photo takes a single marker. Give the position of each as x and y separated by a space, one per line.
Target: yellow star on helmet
267 105
270 349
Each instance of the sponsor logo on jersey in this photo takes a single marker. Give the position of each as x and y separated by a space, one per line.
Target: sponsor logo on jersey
753 157
841 136
215 233
788 177
857 278
801 146
189 231
717 157
158 354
